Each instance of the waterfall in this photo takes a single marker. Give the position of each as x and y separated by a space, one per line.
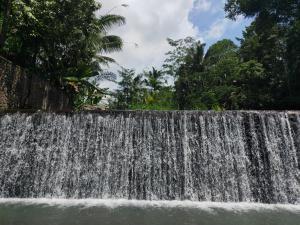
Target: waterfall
171 155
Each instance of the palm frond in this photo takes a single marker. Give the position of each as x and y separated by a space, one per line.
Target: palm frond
107 21
111 43
104 60
88 84
72 79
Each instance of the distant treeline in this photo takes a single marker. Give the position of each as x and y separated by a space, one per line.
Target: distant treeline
262 73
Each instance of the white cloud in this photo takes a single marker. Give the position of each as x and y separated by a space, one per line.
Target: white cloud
219 27
203 5
148 24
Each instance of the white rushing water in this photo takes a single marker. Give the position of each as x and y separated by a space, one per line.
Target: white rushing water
198 156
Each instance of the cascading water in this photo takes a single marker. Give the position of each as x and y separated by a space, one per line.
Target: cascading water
198 156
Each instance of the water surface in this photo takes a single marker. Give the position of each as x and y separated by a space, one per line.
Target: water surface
124 212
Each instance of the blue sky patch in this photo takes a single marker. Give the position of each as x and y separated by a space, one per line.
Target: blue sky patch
209 17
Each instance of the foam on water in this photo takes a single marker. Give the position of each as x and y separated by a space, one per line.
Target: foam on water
117 203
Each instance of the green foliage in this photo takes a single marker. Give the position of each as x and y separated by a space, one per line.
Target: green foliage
162 100
59 39
221 49
186 64
281 10
67 42
271 41
130 90
183 50
219 79
154 79
293 63
262 73
144 91
252 92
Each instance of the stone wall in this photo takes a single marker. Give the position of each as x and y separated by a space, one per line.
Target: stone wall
20 90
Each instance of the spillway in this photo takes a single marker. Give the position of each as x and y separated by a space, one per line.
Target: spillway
135 155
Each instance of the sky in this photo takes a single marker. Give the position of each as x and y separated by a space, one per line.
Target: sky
150 22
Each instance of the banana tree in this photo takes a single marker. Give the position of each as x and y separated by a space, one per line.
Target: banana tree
83 81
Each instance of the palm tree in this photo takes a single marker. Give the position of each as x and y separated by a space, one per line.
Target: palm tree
154 79
195 56
189 80
104 43
99 43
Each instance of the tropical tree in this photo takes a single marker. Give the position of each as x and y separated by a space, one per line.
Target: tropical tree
219 79
271 41
154 79
130 90
293 63
143 91
179 55
64 41
185 63
282 11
